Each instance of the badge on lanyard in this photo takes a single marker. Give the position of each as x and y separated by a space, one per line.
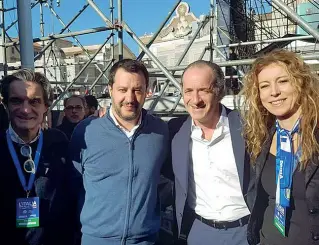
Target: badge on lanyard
27 209
27 212
280 219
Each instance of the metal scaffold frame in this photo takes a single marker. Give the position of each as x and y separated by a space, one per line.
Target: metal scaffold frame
250 30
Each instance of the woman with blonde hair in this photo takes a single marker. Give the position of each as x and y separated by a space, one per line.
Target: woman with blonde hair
281 131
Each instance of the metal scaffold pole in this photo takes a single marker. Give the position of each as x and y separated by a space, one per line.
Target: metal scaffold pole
152 56
211 35
75 38
80 72
62 30
112 38
58 36
141 55
25 33
120 30
295 17
42 34
3 40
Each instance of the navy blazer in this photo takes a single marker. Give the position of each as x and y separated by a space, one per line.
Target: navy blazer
180 131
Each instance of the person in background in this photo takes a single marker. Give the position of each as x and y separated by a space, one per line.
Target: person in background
92 105
281 131
34 176
74 112
209 161
119 157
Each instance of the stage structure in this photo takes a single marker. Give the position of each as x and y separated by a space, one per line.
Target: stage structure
232 33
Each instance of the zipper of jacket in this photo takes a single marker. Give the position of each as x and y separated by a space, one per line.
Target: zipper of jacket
130 179
129 196
130 186
126 217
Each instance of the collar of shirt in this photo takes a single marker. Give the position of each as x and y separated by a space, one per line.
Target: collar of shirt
196 131
128 133
15 137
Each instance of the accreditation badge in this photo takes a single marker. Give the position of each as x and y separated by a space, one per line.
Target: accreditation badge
280 219
27 212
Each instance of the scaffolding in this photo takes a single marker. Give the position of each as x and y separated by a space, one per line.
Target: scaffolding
239 31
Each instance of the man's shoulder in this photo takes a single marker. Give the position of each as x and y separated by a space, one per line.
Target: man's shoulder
88 125
154 120
54 135
233 115
156 124
177 122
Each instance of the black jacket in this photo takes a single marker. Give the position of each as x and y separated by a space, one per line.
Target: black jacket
4 122
51 185
67 127
256 202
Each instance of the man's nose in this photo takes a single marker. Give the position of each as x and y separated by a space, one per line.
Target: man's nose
26 108
195 98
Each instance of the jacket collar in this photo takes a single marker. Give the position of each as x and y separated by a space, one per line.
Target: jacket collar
261 159
313 164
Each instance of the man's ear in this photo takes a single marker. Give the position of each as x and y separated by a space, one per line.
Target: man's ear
110 90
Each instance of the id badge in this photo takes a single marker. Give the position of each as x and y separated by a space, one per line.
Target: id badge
27 212
280 219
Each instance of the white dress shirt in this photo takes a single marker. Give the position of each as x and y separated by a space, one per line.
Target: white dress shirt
128 133
214 189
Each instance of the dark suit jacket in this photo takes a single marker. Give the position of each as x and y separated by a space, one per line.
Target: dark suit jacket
180 131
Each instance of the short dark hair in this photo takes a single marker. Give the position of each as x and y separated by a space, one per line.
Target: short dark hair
27 75
219 82
128 65
74 96
91 101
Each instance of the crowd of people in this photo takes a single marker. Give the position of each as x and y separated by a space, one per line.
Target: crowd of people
240 177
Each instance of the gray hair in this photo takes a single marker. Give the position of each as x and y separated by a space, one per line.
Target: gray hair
219 81
27 75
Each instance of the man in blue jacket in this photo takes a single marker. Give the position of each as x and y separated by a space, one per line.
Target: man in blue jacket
119 157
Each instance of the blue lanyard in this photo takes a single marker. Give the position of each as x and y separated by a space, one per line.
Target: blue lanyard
286 163
18 166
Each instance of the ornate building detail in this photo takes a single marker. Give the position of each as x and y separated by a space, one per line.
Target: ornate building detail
181 24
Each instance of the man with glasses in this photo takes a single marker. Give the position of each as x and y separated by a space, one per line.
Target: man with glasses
74 112
34 172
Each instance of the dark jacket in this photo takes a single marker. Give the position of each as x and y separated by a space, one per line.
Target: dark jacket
256 202
4 122
67 127
50 185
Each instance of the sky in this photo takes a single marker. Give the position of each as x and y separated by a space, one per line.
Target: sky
143 16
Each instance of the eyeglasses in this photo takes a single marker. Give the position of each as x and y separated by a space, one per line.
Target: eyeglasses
76 108
28 165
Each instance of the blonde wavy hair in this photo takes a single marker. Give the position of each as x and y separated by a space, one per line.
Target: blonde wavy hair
258 121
